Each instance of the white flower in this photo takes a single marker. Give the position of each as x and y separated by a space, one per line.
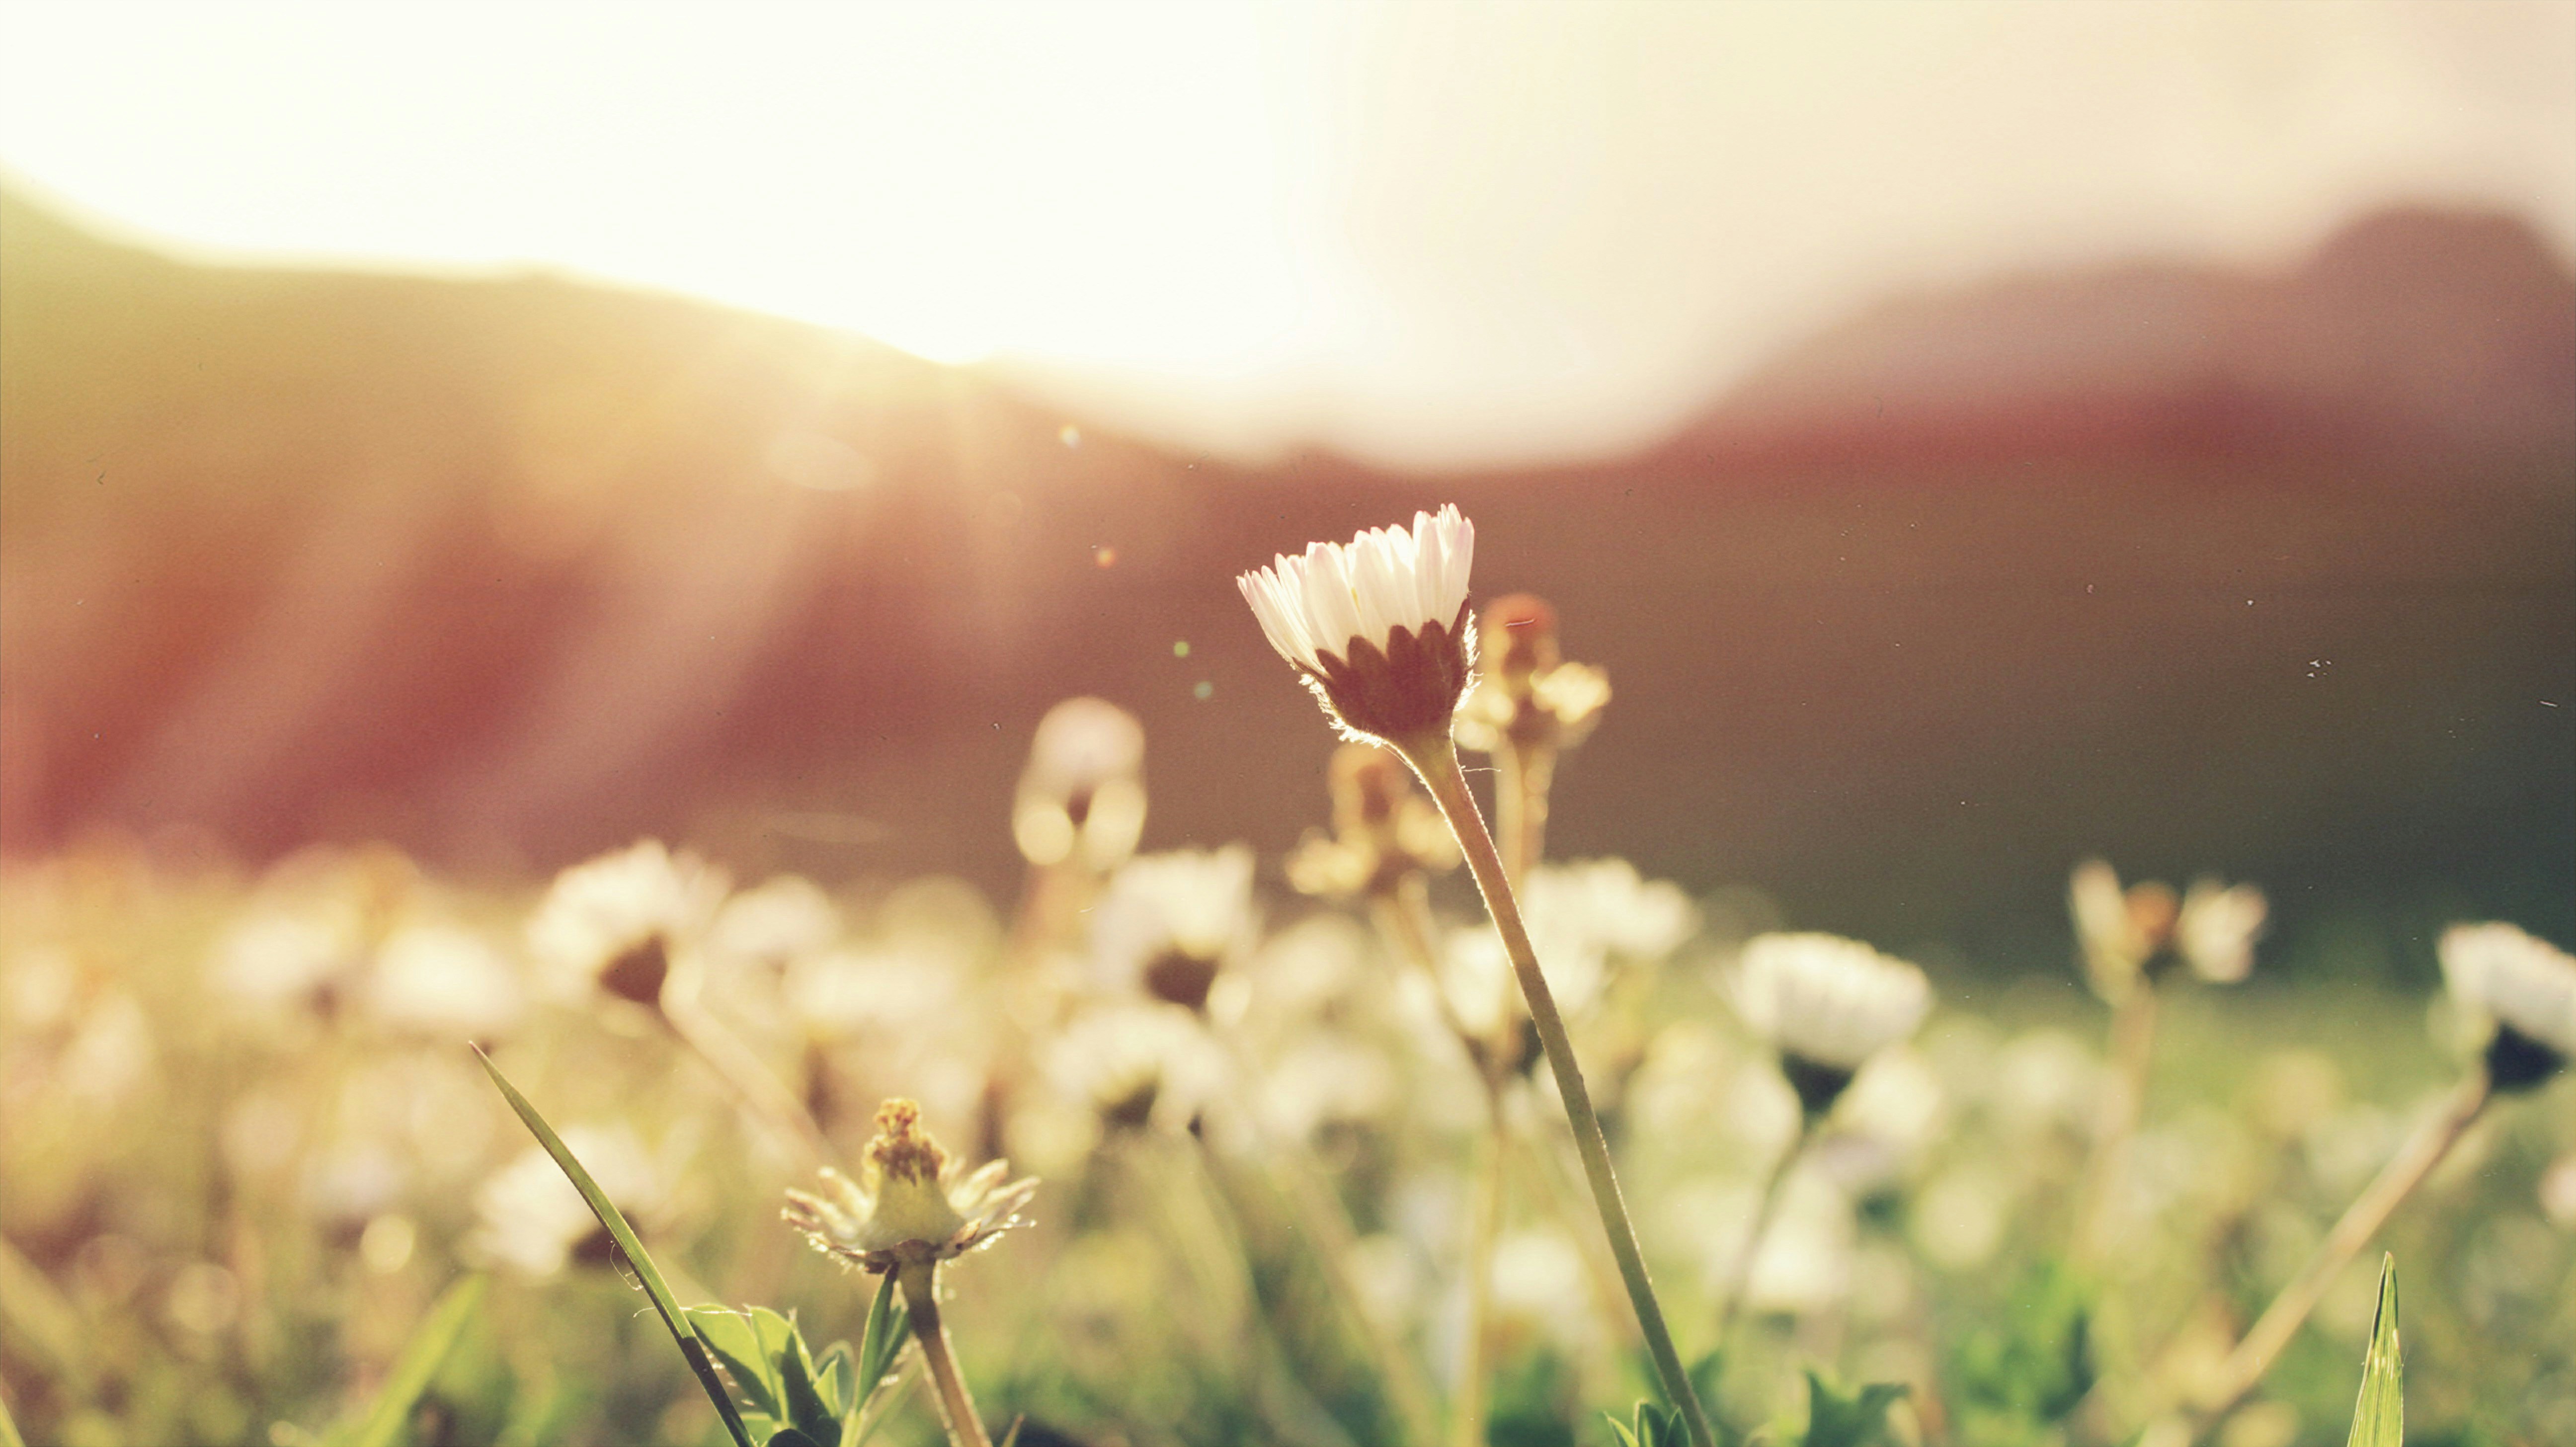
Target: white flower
2526 986
529 1216
600 916
443 980
1827 1004
1137 1062
1169 921
1377 626
2217 929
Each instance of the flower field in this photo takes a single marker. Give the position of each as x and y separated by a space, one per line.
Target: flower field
1319 1155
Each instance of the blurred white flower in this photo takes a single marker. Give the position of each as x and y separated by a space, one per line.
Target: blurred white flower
1170 921
1137 1062
529 1217
1082 796
1323 1078
1827 1004
2217 928
291 951
779 920
2526 987
1805 1259
444 980
1378 626
1602 907
616 919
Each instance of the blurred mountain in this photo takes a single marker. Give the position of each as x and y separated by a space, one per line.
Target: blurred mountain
2273 575
2417 328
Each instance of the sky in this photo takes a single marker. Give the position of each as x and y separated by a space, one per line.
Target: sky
1430 234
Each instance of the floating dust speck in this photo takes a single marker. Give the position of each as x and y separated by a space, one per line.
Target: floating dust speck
1202 690
1070 436
1180 648
1104 556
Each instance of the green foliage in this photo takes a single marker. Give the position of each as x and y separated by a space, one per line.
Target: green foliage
2379 1417
647 1275
1534 1402
9 1427
2014 1376
1651 1425
422 1354
1834 1420
792 1396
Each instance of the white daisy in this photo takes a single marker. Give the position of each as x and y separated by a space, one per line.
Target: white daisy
1827 1004
2526 987
614 920
1170 921
1378 626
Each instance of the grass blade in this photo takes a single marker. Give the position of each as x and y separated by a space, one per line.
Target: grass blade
682 1331
9 1427
421 1357
2379 1416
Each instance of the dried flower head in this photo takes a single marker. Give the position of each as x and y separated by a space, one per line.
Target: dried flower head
2521 989
1384 830
1527 695
912 1204
1827 1004
1082 796
2128 935
1377 627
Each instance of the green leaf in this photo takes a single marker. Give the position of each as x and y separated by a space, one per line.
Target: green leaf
837 1380
790 1437
889 1327
2379 1417
730 1335
1834 1420
692 1348
805 1407
413 1370
1651 1425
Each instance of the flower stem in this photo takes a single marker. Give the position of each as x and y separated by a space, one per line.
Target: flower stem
1739 1277
750 1082
1403 916
1525 774
1436 761
2133 1045
920 1283
2369 1211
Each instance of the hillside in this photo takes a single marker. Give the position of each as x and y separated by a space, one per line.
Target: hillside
2269 574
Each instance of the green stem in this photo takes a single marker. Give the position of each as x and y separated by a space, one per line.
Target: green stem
920 1283
1739 1278
2369 1211
1436 761
2133 1045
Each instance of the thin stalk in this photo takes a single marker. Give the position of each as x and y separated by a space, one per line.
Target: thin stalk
920 1283
2133 1046
1326 1223
1739 1277
2369 1211
1484 1229
1436 761
1524 773
750 1082
1403 916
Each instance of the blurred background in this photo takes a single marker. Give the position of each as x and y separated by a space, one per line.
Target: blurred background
1972 436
